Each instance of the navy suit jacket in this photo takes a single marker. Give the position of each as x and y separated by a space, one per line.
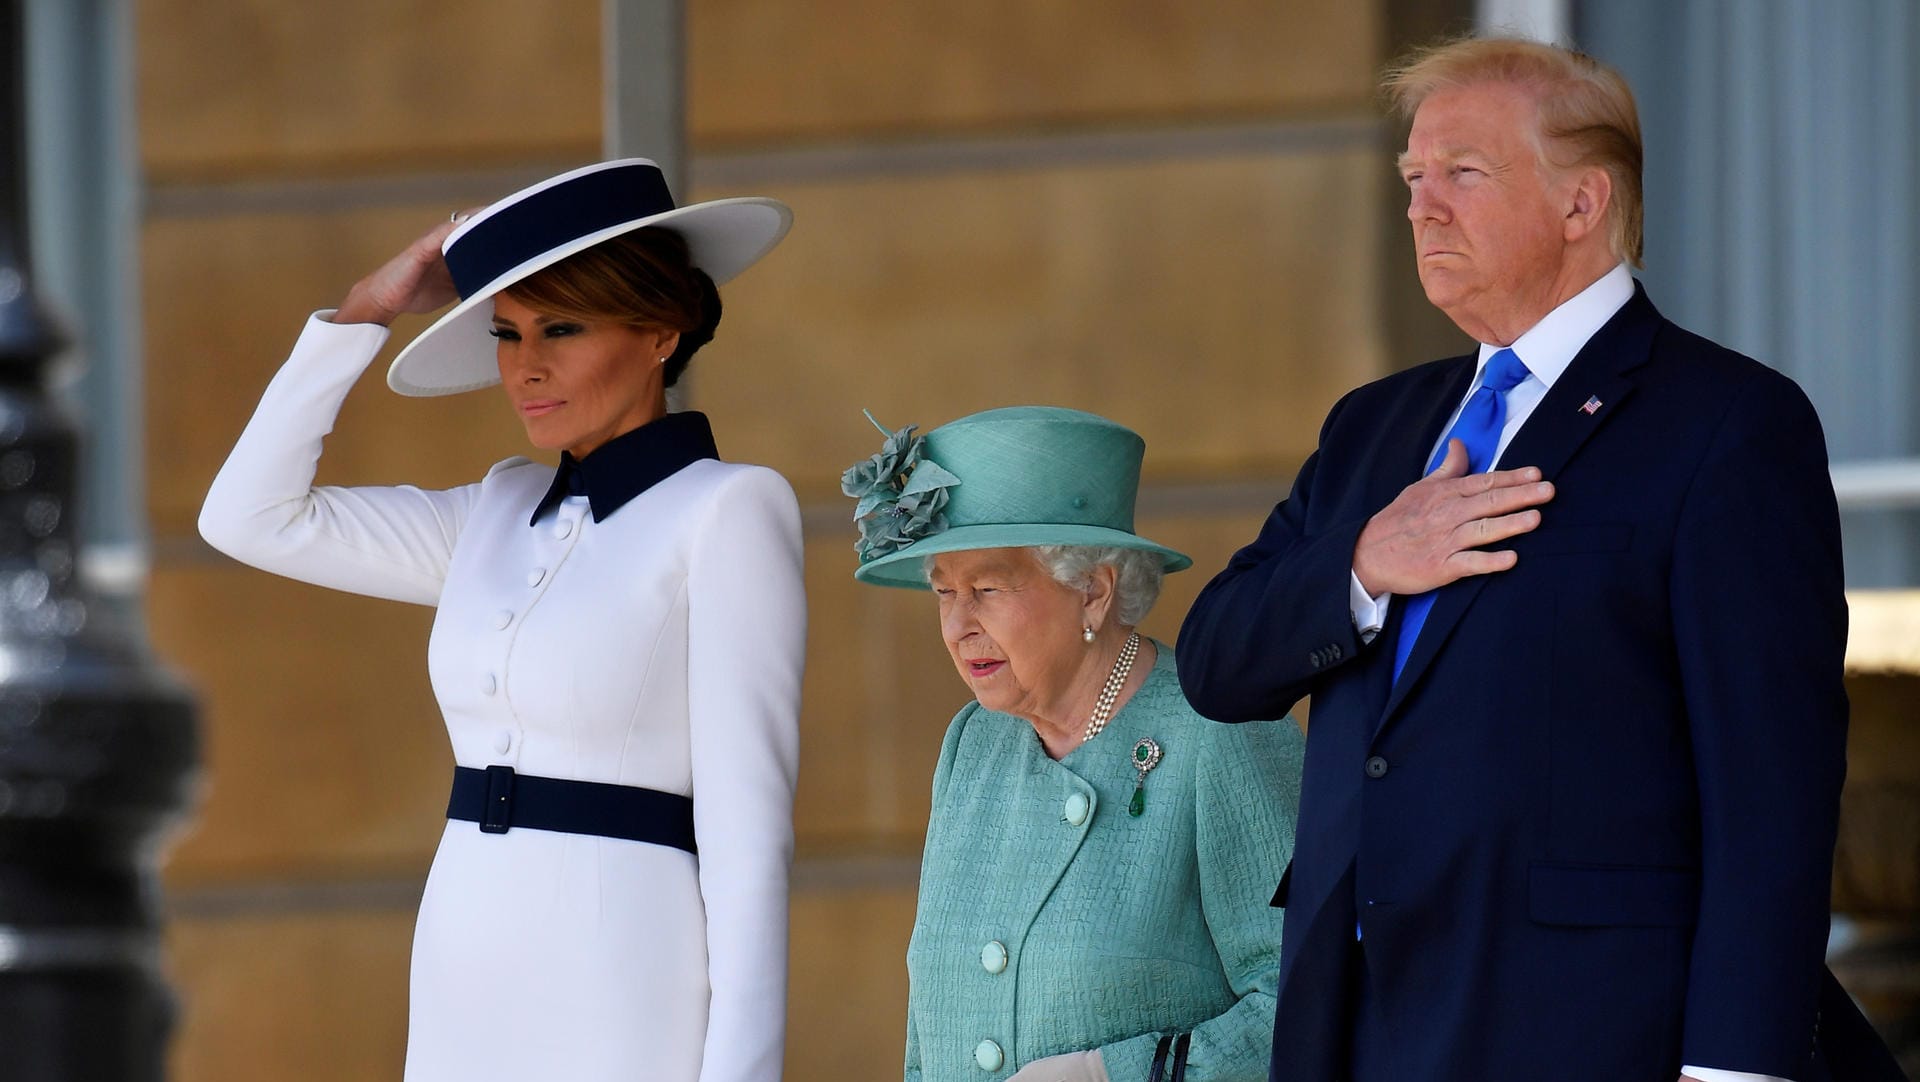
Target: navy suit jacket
1589 831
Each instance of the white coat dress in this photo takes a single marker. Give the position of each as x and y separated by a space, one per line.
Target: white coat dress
659 647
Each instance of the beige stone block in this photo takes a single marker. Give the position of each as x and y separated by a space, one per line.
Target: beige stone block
762 70
1210 539
324 749
878 695
1874 872
847 991
311 997
260 87
1217 306
225 299
257 89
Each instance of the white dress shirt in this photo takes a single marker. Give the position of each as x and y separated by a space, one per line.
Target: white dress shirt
1546 349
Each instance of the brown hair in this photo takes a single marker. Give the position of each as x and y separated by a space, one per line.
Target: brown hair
1586 110
638 279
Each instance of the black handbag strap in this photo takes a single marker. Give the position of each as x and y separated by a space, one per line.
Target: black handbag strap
1160 1058
1180 1047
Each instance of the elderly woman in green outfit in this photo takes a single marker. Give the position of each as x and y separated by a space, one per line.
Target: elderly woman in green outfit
1094 890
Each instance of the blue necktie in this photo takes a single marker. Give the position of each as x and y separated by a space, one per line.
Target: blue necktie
1481 420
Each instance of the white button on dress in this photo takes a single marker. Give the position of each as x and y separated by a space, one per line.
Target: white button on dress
1076 809
987 1056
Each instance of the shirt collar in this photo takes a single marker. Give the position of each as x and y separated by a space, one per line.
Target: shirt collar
1551 344
629 464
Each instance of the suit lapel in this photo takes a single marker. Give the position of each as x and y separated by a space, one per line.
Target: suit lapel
1600 376
1555 431
1425 423
1406 444
1429 406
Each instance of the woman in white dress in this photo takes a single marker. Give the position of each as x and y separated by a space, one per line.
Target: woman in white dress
618 643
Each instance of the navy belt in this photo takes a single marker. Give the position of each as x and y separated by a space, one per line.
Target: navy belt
499 800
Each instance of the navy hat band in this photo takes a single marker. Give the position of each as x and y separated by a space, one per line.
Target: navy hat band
553 217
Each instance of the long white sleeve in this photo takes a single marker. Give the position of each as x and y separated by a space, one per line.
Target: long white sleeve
746 629
264 510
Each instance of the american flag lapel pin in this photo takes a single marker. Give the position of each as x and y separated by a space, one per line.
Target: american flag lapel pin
1592 407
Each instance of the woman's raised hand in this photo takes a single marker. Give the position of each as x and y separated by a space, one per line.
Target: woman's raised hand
416 280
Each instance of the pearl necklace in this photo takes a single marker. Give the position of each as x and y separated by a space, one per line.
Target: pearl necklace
1117 679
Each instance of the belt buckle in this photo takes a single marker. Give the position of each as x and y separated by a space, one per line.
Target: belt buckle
496 814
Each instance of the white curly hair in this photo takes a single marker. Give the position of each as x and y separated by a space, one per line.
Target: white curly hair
1137 574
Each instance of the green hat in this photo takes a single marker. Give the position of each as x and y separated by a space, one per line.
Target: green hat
1006 478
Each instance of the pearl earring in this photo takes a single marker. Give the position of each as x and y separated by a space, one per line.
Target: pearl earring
1087 634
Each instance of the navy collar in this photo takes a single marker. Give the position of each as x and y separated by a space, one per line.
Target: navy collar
629 464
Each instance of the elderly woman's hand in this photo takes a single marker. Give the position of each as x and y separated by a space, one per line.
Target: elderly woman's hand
416 280
1072 1067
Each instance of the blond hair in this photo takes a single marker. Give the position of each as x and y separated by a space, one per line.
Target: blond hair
1586 110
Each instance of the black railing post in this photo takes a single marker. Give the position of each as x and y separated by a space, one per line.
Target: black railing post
97 743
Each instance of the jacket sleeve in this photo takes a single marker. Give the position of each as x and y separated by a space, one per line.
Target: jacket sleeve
1247 792
912 1071
746 640
1278 618
264 509
1760 627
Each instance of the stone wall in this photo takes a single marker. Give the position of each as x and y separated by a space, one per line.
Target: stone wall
1168 213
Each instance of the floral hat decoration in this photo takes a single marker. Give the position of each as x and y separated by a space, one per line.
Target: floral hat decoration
902 499
1005 478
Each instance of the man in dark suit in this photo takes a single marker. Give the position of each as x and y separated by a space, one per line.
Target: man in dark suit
1577 729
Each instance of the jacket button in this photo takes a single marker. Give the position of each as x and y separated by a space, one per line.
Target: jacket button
1334 651
502 618
1376 767
1076 809
1313 659
993 957
987 1056
503 741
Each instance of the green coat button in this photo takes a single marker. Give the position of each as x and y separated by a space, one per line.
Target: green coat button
987 1056
1077 808
993 957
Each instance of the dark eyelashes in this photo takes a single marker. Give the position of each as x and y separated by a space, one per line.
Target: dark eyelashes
556 330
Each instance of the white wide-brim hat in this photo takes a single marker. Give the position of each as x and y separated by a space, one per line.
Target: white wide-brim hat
536 227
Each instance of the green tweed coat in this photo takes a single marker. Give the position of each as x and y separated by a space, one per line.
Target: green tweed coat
1052 921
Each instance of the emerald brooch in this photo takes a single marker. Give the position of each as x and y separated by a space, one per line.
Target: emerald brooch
1146 756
